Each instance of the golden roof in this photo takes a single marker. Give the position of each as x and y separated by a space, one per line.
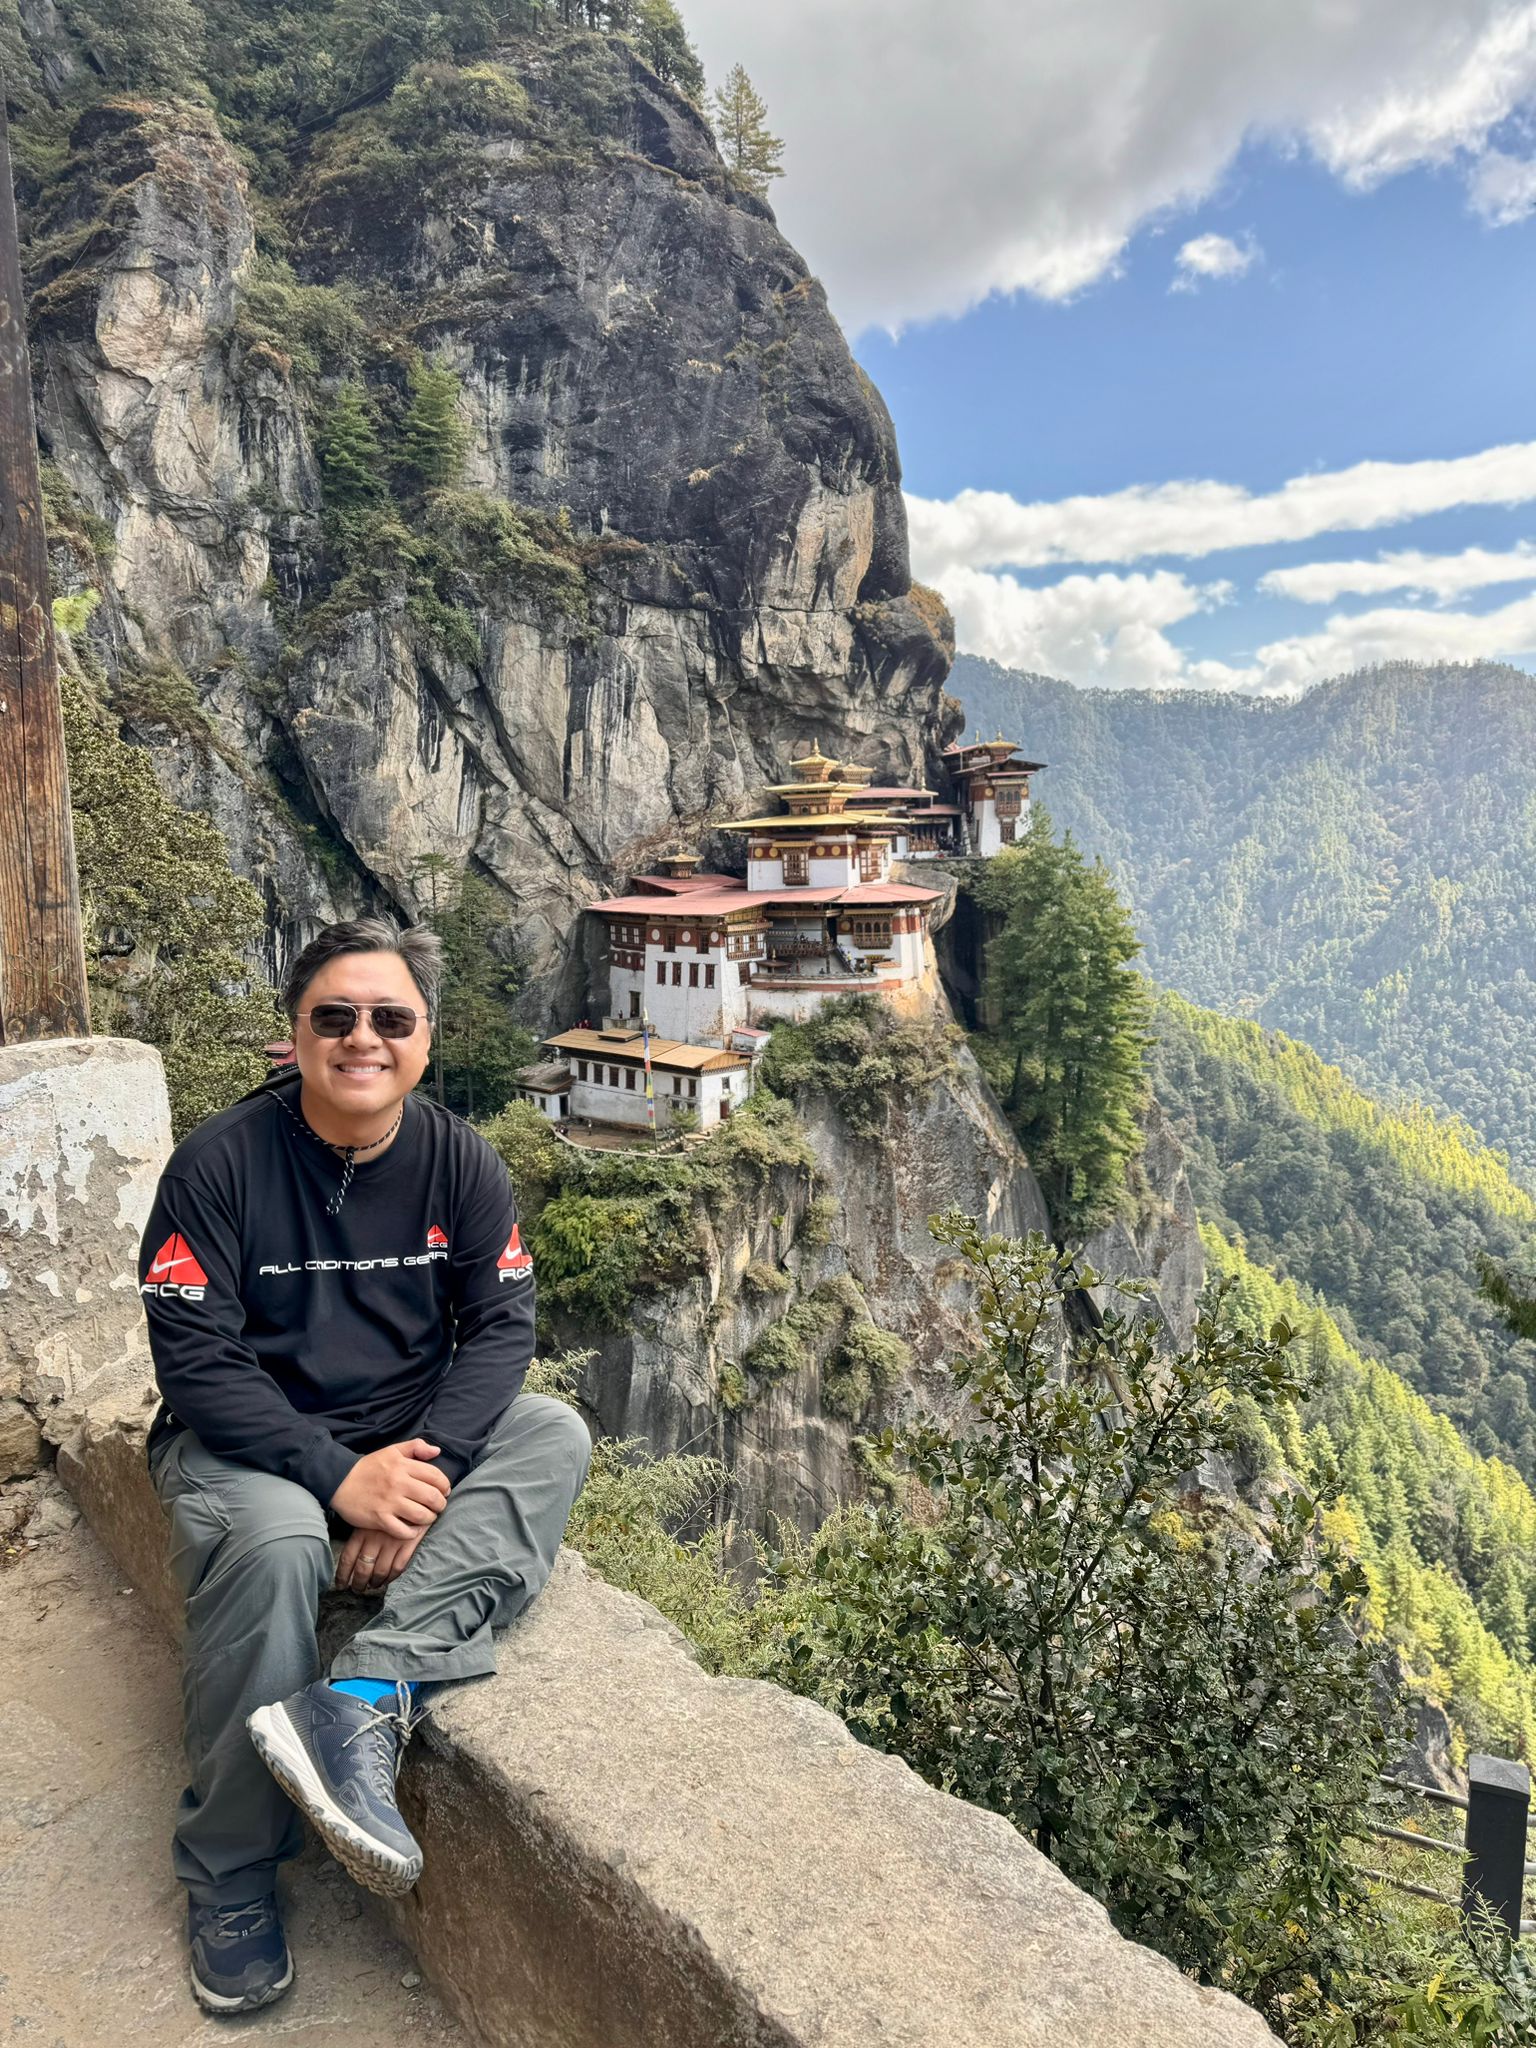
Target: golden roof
813 767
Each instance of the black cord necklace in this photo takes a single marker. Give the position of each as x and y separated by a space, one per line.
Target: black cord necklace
348 1152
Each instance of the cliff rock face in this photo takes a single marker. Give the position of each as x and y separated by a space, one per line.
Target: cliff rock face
665 1377
639 352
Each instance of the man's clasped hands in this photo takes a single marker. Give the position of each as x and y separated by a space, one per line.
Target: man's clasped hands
389 1500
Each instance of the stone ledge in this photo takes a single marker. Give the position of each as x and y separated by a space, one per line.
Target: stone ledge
623 1852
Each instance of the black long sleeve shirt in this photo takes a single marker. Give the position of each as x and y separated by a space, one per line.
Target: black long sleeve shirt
294 1341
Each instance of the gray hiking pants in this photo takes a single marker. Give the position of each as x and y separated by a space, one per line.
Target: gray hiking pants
252 1553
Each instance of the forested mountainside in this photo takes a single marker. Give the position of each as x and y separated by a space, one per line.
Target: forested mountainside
471 470
1356 867
1447 1538
1381 1212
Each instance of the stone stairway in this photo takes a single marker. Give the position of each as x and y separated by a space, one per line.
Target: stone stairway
91 1947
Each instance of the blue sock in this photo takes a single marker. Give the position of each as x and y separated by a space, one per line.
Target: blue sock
370 1689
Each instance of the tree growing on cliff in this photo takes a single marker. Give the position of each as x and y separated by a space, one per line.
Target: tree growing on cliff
167 923
740 120
477 1045
1182 1718
351 460
1068 1021
144 45
433 438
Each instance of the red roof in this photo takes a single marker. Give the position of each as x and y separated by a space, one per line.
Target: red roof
679 885
712 902
882 793
705 903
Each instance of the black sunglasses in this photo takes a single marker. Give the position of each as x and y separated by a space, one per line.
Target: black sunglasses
340 1020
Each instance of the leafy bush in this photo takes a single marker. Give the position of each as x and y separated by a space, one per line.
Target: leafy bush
818 1223
861 1055
870 1361
510 554
761 1279
1132 1685
521 1134
165 920
307 329
434 98
779 1353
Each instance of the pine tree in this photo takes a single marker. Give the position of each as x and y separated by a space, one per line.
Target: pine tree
658 33
433 440
1069 1011
147 45
477 1046
740 122
351 466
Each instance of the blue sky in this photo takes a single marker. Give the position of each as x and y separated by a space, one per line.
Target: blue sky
997 196
1389 325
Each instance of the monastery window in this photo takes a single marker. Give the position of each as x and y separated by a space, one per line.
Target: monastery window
629 1079
796 868
693 1086
1010 802
744 971
581 1070
677 973
693 974
613 1077
677 1084
870 932
709 975
661 973
634 1002
869 863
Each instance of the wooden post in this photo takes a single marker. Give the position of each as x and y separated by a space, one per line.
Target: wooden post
42 953
1498 1812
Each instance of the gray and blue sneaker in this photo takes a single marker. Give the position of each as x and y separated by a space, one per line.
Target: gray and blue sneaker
239 1958
337 1758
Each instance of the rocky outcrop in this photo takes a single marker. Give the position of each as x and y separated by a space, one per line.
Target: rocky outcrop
675 1375
640 353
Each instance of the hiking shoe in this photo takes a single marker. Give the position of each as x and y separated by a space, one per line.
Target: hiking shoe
239 1957
337 1758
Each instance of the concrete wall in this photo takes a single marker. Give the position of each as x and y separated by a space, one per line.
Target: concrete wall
84 1131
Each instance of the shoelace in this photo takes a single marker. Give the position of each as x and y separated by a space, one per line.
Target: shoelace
403 1722
233 1923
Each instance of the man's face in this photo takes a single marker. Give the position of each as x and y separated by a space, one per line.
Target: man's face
362 1074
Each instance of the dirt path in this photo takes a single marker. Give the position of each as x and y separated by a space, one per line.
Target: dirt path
91 1924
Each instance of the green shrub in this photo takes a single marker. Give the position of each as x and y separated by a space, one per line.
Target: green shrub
734 1392
778 1353
511 555
521 1134
761 1279
92 539
435 98
166 920
863 1057
819 1222
303 329
870 1361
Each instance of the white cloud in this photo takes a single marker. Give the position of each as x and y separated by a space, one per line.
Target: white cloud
990 529
1440 576
1393 634
1212 256
1093 629
938 154
1110 631
1503 188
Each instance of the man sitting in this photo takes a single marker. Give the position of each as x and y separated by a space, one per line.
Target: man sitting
341 1315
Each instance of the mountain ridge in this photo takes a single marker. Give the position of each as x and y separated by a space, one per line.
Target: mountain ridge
1356 866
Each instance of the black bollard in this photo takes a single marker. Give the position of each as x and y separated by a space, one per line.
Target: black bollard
1498 1813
